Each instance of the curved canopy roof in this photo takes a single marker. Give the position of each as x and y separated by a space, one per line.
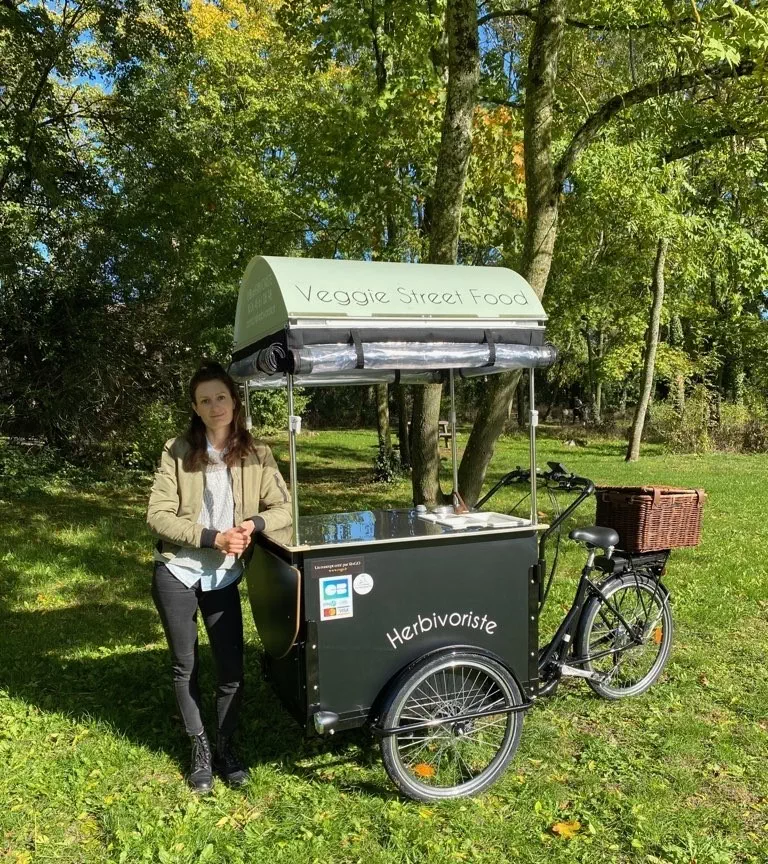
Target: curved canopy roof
281 294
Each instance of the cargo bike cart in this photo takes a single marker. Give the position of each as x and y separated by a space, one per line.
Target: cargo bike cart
424 625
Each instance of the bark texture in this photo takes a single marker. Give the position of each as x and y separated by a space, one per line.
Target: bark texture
402 426
541 230
456 138
445 221
382 418
542 190
649 358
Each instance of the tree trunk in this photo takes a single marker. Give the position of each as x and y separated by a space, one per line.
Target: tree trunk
597 413
649 360
521 419
425 457
541 190
541 194
590 373
446 205
489 424
382 418
402 426
365 400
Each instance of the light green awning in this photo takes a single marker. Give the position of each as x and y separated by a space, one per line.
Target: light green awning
275 292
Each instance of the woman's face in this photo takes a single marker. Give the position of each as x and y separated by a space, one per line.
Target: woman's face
214 405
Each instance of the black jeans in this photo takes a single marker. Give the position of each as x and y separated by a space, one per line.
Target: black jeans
223 619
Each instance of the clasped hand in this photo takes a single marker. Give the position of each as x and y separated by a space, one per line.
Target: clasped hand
235 541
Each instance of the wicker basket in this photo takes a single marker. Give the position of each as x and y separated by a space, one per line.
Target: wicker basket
648 518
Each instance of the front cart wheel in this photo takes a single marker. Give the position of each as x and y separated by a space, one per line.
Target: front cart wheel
629 654
474 738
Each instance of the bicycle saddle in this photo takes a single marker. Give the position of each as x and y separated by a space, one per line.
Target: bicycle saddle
601 538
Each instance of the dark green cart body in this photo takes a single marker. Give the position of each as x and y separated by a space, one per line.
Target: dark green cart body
400 589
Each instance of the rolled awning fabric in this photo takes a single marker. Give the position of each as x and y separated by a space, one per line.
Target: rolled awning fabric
326 359
341 363
270 359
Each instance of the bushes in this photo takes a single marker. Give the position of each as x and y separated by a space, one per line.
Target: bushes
688 433
269 409
146 436
705 426
387 467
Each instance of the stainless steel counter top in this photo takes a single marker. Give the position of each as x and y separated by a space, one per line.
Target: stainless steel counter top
392 526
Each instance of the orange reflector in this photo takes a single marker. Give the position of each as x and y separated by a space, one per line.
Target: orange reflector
423 770
657 634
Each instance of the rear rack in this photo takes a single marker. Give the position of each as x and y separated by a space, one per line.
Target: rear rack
652 562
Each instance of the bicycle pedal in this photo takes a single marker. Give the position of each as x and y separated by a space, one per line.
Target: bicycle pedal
575 672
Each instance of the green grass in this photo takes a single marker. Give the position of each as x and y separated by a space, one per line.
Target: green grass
93 755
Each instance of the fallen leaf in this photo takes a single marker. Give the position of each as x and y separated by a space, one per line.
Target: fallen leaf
567 830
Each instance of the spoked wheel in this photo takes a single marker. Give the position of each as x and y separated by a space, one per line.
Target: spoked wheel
630 654
461 754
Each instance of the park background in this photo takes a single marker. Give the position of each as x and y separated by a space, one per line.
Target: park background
614 153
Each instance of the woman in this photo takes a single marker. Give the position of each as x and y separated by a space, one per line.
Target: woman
214 488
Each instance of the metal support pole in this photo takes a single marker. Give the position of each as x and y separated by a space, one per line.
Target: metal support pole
454 445
533 420
247 399
293 427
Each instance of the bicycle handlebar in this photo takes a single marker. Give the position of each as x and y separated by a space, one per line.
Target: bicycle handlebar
557 474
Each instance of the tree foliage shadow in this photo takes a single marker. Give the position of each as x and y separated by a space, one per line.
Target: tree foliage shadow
73 661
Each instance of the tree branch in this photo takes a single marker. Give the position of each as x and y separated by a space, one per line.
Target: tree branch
699 144
671 84
612 28
507 13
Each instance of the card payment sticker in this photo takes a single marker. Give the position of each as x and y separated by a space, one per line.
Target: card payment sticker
335 597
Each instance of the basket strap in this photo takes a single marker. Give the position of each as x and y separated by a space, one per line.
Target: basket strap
656 496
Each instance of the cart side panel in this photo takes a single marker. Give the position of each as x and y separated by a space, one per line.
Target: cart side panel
286 675
382 606
274 593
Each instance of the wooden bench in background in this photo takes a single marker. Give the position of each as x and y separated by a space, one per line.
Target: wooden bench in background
443 431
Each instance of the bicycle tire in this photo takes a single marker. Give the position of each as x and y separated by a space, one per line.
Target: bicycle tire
644 605
451 760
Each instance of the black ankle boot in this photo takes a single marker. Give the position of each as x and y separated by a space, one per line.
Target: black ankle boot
227 765
201 770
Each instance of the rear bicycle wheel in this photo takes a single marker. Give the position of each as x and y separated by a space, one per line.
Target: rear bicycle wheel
631 653
460 754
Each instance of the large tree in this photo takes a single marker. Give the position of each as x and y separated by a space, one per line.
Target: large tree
446 205
693 60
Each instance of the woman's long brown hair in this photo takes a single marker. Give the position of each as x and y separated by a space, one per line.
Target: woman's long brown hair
239 444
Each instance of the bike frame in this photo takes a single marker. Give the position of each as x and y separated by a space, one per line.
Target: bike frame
553 655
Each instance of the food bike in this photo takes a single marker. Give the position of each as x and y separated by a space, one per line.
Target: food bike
423 625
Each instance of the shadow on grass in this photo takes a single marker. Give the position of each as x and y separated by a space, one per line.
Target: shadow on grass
88 663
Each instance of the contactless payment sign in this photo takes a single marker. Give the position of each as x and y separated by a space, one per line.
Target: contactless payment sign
335 597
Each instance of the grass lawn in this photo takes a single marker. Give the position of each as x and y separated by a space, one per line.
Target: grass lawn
92 754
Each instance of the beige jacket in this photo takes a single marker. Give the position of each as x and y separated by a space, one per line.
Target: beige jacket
176 498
